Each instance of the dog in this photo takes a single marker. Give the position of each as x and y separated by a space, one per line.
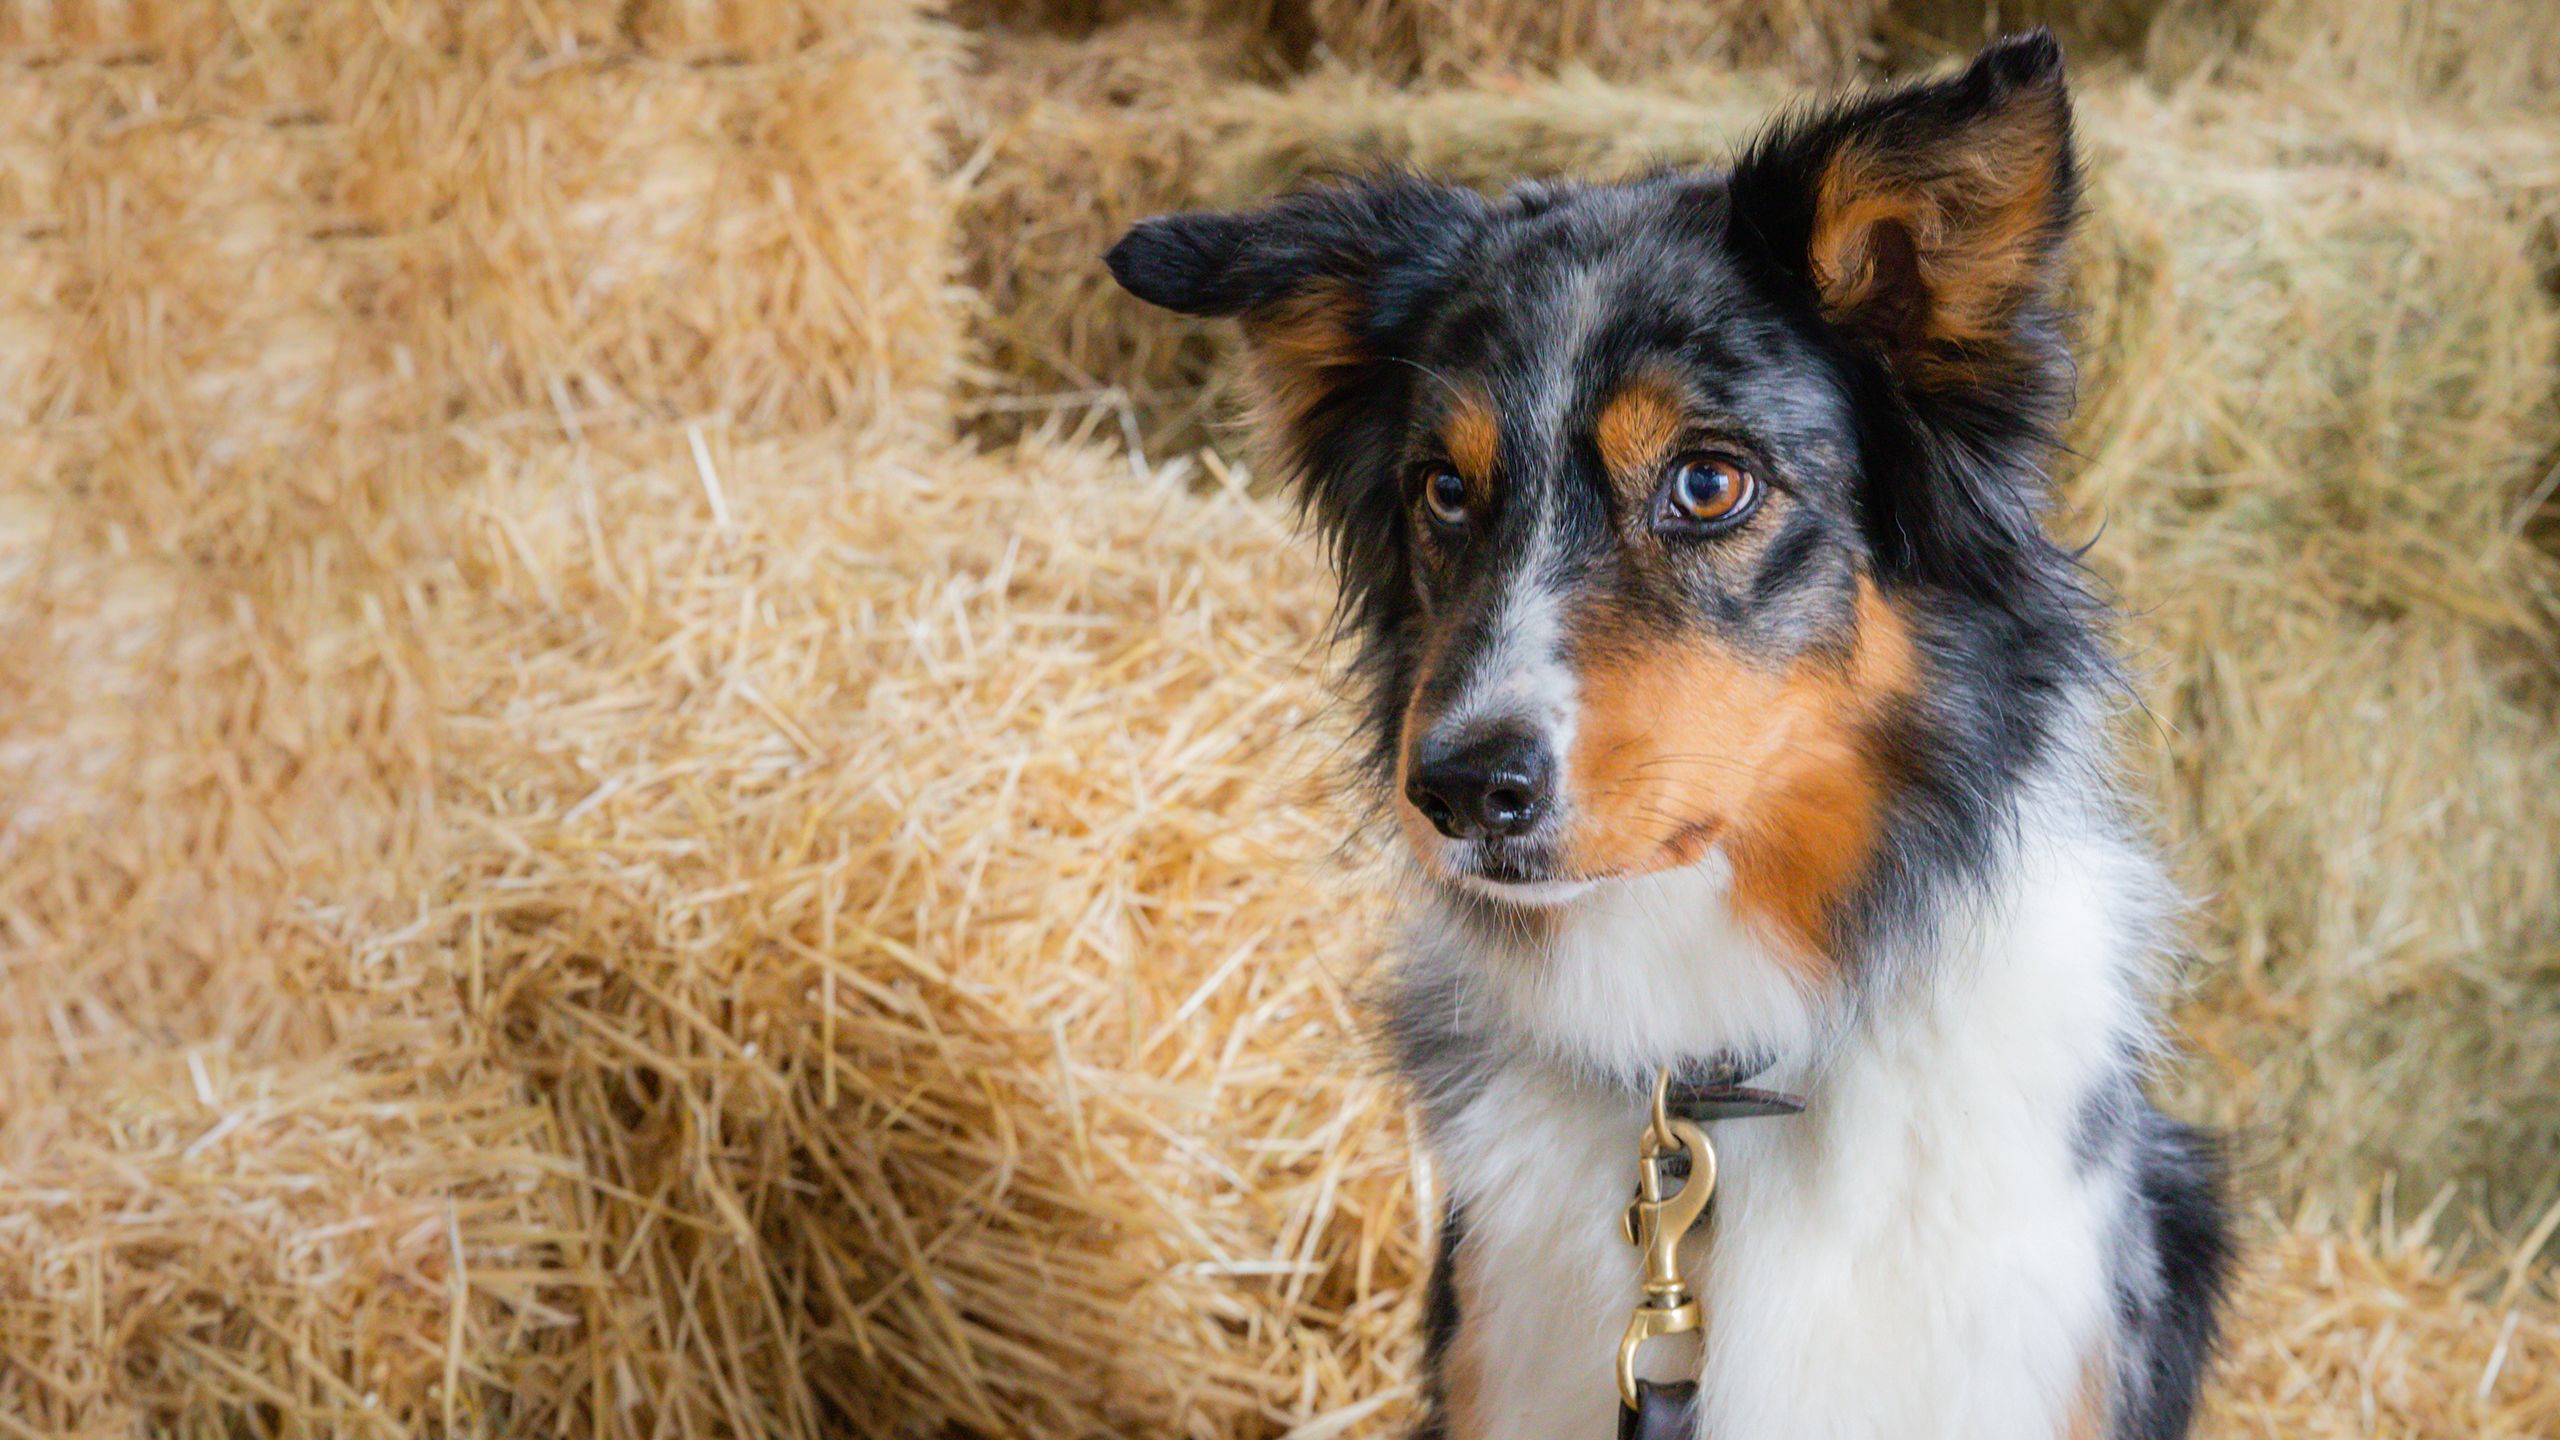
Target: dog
1740 715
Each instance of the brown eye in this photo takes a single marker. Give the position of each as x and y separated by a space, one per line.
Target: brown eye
1444 494
1708 494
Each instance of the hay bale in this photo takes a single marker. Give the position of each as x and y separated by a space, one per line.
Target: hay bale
207 713
1143 118
244 1146
2326 400
363 1244
884 885
1073 140
1449 40
262 1175
1453 39
756 231
2487 56
2375 1323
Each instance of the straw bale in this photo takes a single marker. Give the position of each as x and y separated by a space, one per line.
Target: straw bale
2488 56
884 884
204 705
2484 56
362 1245
262 1175
1444 40
1450 39
2163 36
241 1139
1073 140
2329 359
757 231
1146 117
2376 1324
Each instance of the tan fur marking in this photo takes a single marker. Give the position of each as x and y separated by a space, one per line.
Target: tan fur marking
1973 205
1636 431
2088 1417
1679 748
1473 437
1462 1367
1302 348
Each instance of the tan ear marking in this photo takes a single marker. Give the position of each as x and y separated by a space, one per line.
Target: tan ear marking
1930 243
1302 347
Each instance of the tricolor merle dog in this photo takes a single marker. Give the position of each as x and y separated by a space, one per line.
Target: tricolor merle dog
1738 712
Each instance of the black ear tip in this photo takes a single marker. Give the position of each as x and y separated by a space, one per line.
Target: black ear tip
2034 58
1129 257
1180 262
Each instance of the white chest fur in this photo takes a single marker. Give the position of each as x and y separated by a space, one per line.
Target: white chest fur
1919 1255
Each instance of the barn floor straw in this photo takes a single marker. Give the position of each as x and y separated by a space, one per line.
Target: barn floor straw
573 864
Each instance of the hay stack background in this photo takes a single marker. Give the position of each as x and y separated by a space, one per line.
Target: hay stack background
574 856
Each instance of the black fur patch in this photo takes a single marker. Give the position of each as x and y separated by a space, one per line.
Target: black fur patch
2176 1269
1440 1326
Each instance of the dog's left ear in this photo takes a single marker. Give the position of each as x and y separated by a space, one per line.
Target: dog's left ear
1325 282
1929 220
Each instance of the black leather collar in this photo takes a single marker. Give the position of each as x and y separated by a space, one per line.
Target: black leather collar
1715 1089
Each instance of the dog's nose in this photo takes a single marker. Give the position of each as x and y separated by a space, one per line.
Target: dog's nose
1490 784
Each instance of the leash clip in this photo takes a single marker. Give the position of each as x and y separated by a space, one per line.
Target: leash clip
1655 1223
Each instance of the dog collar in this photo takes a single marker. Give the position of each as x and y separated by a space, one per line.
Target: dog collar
1720 1089
1675 1148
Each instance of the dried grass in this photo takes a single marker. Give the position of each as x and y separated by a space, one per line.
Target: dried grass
2330 399
1122 122
2379 1325
1454 39
888 894
673 224
1445 40
570 866
2487 56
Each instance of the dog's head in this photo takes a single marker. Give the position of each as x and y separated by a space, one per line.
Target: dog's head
1644 495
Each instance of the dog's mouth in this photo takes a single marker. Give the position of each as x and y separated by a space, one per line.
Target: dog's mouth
1529 881
1514 872
1536 874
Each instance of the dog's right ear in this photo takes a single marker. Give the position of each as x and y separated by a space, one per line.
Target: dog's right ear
1325 282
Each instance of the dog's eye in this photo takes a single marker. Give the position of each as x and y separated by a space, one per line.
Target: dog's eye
1707 494
1444 494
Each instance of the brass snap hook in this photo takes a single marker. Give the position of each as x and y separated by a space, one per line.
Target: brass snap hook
1655 1223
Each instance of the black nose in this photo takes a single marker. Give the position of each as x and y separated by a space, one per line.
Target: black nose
1489 784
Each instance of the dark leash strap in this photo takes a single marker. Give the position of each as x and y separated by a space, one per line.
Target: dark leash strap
1662 1412
1675 1148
